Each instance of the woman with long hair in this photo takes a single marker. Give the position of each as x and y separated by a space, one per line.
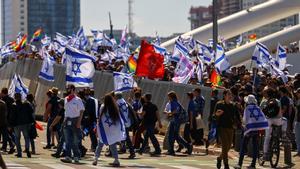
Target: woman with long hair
110 128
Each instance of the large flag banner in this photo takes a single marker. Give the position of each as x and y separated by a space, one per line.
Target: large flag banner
110 132
149 64
261 55
123 82
221 61
47 70
281 57
18 86
79 67
254 119
183 71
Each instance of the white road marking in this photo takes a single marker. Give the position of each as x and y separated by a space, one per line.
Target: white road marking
57 166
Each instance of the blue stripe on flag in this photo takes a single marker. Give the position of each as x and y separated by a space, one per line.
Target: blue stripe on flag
102 132
220 59
78 79
45 76
257 125
78 55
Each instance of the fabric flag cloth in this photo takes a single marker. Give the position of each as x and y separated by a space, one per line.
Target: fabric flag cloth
184 70
132 64
123 82
254 119
278 73
252 37
281 57
81 41
79 67
46 41
18 86
239 41
215 78
221 61
149 64
261 55
205 53
199 71
47 70
22 44
123 37
179 49
36 35
60 42
110 132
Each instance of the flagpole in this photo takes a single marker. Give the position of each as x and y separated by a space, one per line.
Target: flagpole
215 25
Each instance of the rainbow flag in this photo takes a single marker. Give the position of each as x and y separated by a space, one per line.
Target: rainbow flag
37 35
215 78
131 64
252 37
22 44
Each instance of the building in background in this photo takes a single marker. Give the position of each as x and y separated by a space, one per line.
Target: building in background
28 15
269 28
229 7
200 16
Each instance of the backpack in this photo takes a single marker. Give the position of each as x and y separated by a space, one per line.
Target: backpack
183 115
272 109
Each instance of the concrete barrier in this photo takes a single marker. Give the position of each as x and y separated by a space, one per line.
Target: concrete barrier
103 83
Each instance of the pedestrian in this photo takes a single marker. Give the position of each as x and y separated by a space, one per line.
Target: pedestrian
175 111
125 115
297 125
254 121
74 109
32 132
110 128
199 103
225 112
48 119
150 117
22 121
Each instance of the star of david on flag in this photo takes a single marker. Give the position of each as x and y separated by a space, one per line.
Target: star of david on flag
254 119
80 67
123 82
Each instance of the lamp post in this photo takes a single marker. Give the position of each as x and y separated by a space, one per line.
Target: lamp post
215 24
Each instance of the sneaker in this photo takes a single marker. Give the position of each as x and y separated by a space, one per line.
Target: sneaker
95 162
131 156
76 160
66 160
115 164
47 147
55 155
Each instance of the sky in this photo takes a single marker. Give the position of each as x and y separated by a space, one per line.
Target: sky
164 16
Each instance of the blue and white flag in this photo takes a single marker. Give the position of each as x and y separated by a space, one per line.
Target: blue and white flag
204 52
123 82
123 39
239 41
184 70
221 61
46 41
199 71
281 57
82 41
157 40
60 42
79 67
18 86
47 70
179 49
254 119
261 56
275 71
110 132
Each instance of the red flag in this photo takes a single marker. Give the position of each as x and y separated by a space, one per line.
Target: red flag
149 64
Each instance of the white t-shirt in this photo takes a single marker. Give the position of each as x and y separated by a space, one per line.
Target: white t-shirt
73 107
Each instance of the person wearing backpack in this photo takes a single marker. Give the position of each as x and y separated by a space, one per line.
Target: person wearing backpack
272 109
178 116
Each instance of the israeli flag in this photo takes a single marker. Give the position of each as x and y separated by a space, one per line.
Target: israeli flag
79 67
123 82
254 119
7 50
18 86
281 57
60 42
200 70
278 73
123 37
47 70
239 41
110 132
221 61
179 49
81 40
46 41
204 52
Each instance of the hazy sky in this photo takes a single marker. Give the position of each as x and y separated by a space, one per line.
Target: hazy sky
164 16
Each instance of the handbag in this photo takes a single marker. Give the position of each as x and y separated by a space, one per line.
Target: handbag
199 122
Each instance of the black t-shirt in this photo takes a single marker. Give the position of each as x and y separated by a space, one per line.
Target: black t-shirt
61 113
54 106
150 110
228 119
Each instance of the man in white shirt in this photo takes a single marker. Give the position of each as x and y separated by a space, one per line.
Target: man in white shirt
74 109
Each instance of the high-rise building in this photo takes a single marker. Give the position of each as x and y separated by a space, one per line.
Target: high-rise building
28 15
228 7
200 16
269 28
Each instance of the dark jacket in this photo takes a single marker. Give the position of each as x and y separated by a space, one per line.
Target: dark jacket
9 102
22 113
3 114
